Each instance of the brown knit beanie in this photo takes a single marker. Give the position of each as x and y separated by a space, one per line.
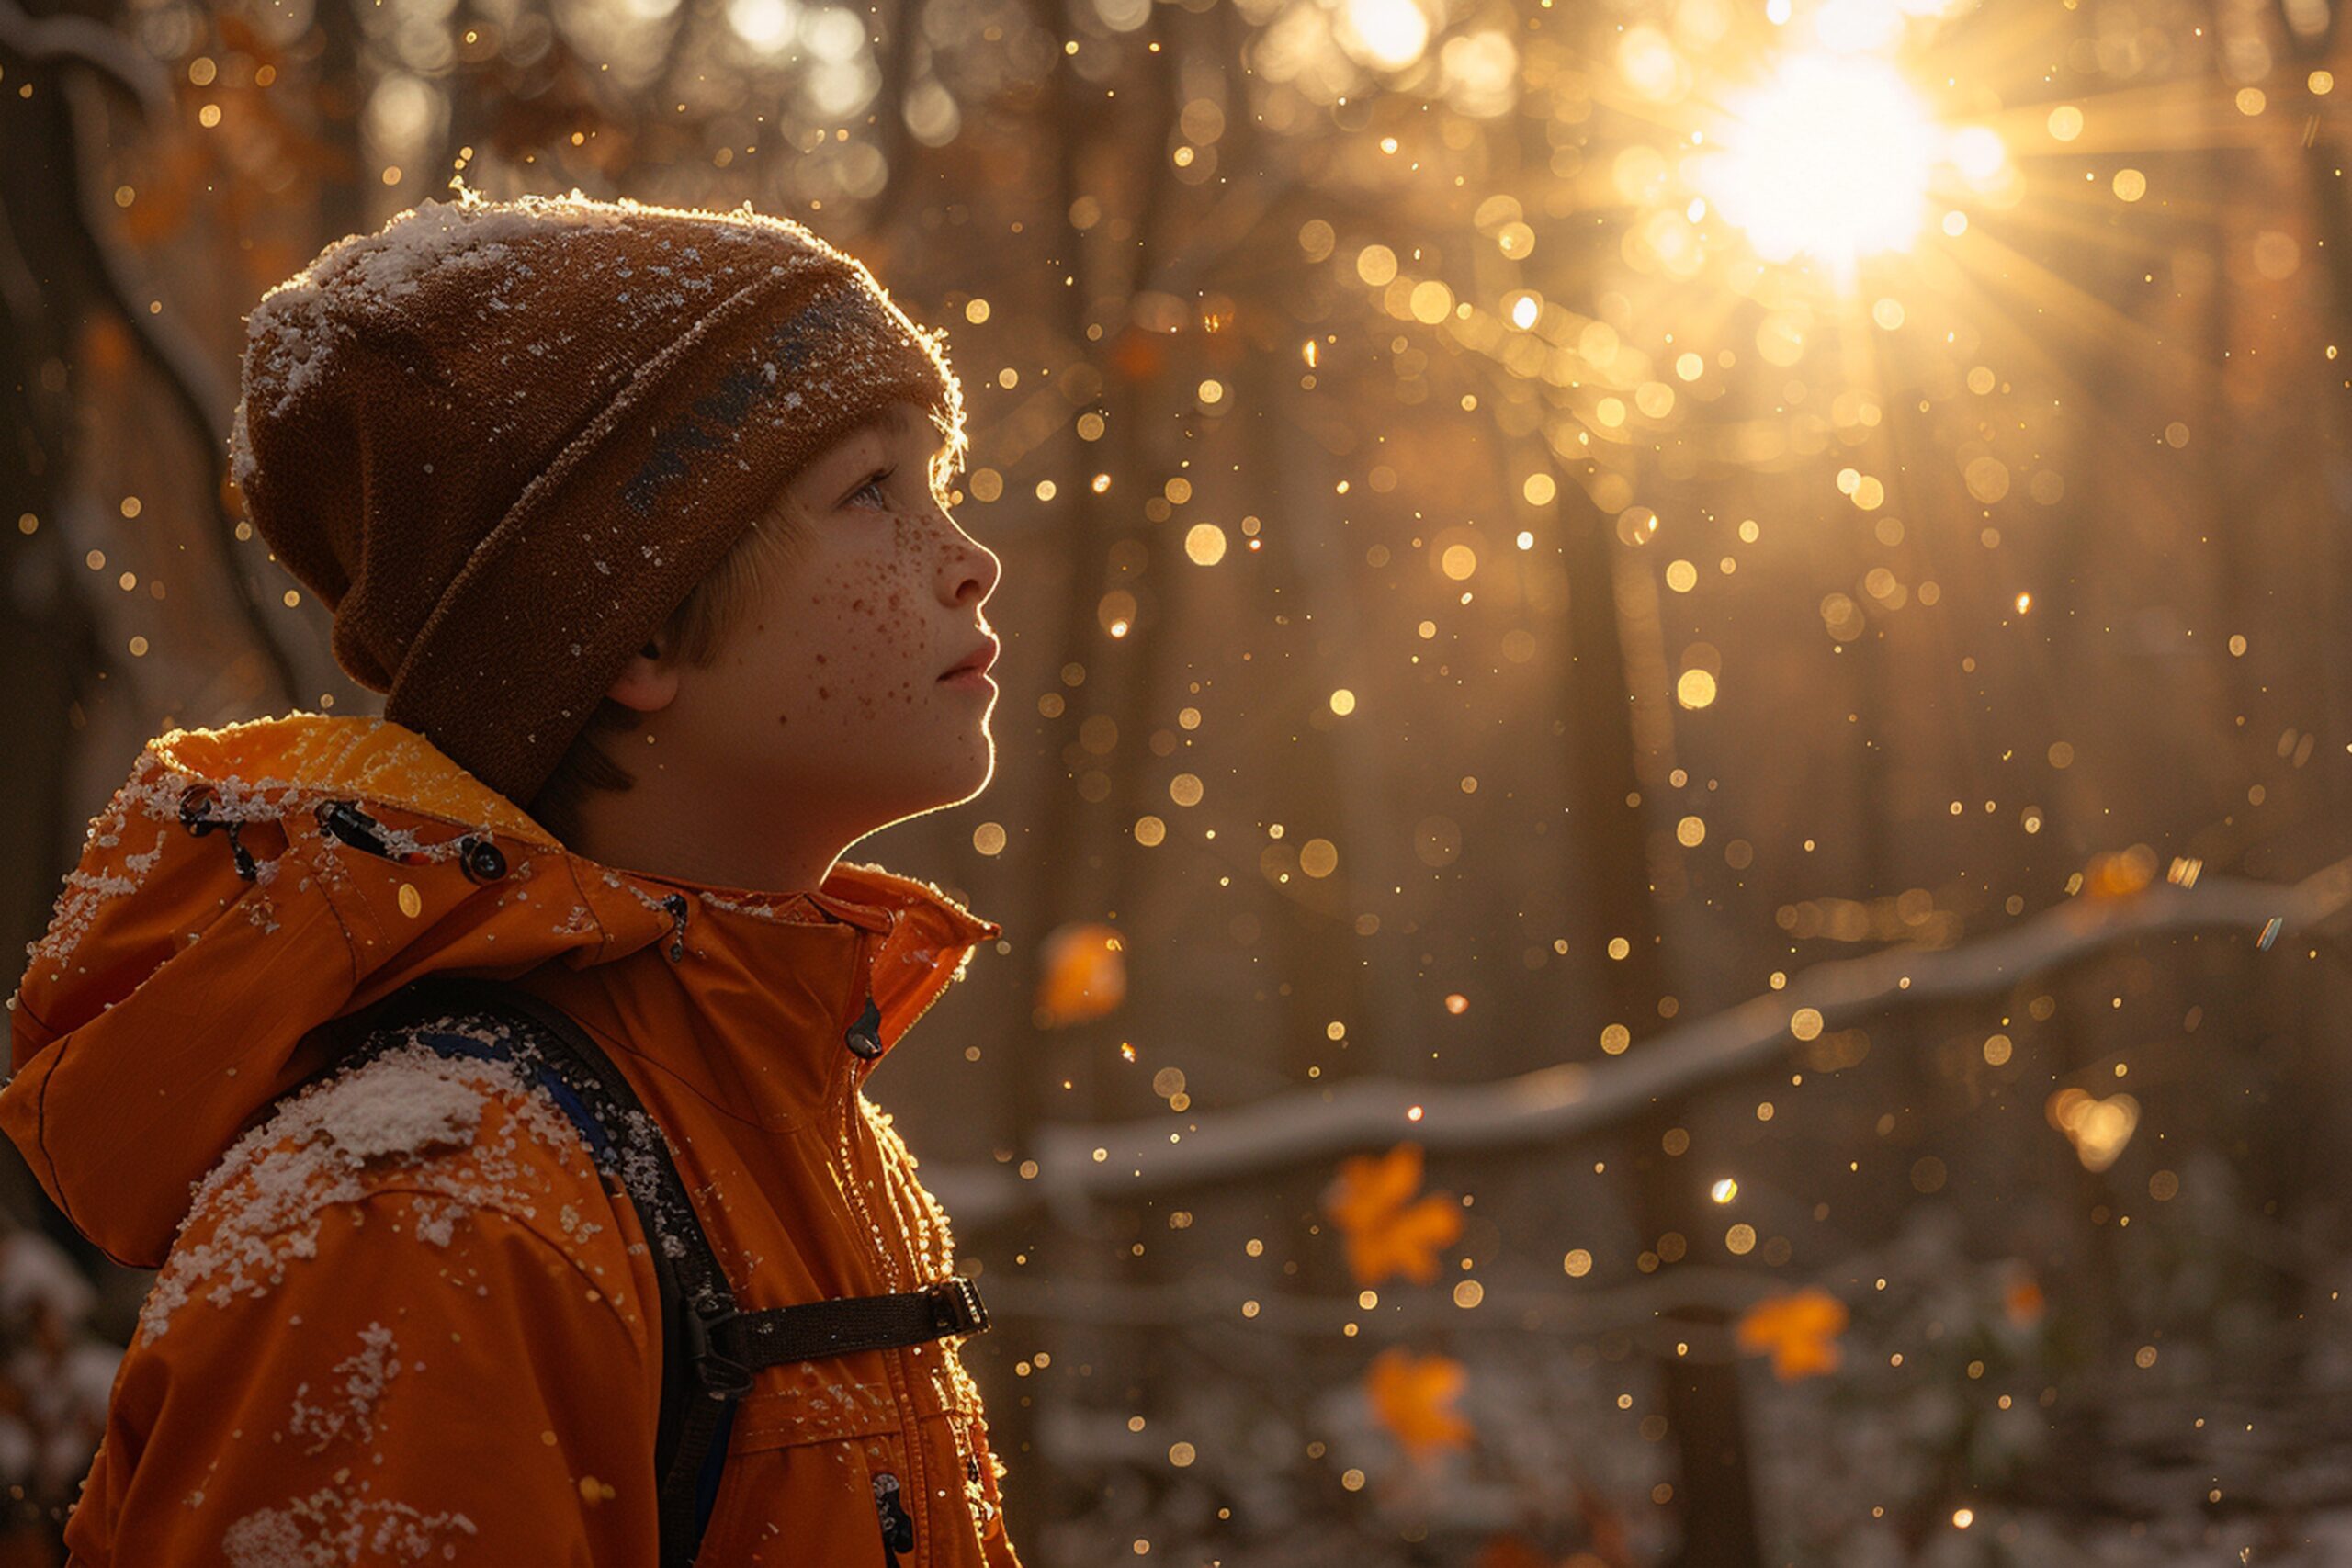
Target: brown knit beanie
503 441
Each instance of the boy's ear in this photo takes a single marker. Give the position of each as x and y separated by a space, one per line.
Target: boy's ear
644 683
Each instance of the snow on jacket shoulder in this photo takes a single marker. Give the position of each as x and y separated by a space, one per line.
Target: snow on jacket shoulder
426 1220
399 1317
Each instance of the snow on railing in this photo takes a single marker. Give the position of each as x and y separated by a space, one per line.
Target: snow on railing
1080 1164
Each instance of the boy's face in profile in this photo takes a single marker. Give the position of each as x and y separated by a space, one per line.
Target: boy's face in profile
831 703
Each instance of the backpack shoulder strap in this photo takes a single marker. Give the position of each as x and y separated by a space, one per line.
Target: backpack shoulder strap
699 1386
711 1347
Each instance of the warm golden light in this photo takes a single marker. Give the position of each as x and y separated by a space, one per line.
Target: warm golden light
1834 158
2097 1128
1388 34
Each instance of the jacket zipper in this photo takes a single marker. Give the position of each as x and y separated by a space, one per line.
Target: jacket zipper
897 1525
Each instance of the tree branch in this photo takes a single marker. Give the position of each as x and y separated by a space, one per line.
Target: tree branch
1302 1126
81 242
1637 1308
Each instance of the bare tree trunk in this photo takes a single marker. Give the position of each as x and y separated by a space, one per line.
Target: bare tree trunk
341 93
1703 1400
1054 881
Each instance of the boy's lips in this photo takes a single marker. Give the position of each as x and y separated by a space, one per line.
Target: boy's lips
977 661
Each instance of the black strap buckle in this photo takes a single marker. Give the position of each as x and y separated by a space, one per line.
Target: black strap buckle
720 1375
343 819
196 816
955 1306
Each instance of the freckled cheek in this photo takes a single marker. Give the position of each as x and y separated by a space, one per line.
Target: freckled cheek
867 617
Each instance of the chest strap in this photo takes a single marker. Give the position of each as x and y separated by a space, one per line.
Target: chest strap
727 1347
710 1346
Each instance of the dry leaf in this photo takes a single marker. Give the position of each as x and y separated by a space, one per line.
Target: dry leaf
1386 1234
1084 973
1800 1330
1412 1396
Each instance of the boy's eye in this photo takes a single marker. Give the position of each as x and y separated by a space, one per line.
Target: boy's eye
873 483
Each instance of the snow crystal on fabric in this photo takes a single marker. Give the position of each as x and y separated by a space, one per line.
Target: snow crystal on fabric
295 337
347 1406
156 791
331 1528
637 1141
410 1112
434 1221
85 892
793 909
433 235
149 788
641 1173
407 1113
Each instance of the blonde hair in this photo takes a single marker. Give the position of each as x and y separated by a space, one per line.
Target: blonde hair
702 627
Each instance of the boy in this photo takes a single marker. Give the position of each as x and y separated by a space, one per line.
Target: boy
576 479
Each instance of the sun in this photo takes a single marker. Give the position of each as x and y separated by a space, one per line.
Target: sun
1834 157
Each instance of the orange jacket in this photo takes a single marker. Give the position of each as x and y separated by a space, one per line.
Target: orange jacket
399 1317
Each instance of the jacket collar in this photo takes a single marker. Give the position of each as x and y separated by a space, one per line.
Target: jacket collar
865 934
929 937
217 924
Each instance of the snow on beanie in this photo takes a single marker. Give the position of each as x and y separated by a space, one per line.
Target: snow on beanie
503 441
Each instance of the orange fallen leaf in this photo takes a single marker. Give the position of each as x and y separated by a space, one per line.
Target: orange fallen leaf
1084 973
1800 1330
1413 1397
1386 1234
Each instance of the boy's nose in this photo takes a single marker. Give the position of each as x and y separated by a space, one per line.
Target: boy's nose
970 563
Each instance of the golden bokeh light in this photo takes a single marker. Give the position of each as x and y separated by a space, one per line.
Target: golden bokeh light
1204 543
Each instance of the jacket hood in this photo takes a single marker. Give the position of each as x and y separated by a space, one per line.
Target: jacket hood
248 887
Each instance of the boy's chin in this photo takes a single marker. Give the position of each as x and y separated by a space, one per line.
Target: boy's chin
957 779
969 780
